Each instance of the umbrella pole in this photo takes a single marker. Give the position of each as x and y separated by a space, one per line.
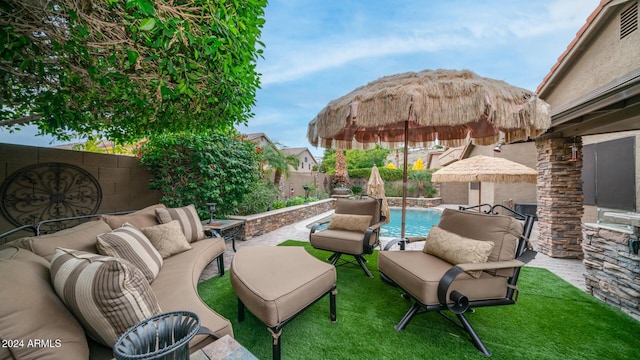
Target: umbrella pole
479 194
404 177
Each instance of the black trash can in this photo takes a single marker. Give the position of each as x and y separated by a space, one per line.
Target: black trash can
165 336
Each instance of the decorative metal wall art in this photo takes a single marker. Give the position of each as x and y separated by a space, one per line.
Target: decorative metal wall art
49 191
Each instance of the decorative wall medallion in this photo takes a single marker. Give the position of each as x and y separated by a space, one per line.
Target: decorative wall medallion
49 191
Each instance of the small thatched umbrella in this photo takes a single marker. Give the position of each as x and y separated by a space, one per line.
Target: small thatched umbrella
375 188
416 109
485 169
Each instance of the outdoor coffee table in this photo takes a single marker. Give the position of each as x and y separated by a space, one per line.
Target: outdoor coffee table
277 283
227 229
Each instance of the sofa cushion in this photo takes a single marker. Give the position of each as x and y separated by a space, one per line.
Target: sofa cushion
348 222
106 294
31 310
176 287
419 274
132 245
167 238
141 218
80 237
188 218
456 249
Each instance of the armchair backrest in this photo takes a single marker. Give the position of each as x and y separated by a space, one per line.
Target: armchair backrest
368 206
503 231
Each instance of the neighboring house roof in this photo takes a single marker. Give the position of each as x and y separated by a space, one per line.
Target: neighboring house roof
298 151
257 136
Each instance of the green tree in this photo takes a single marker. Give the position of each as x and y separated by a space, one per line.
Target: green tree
356 159
360 159
199 168
126 69
278 161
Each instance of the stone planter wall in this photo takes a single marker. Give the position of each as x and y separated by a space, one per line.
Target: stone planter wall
612 273
259 224
415 202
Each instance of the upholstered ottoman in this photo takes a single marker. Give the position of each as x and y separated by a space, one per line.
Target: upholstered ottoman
278 283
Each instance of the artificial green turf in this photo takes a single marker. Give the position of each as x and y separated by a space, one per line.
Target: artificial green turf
551 320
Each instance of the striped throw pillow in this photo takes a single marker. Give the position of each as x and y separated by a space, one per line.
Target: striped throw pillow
107 295
131 244
188 218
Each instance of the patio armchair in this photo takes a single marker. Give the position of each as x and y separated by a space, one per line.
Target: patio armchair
354 229
469 260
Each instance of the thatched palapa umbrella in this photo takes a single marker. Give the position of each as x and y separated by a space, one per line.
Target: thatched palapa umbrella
485 169
416 109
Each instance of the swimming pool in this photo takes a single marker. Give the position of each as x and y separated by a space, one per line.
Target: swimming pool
418 222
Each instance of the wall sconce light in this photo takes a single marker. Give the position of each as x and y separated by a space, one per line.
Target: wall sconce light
575 156
212 211
498 147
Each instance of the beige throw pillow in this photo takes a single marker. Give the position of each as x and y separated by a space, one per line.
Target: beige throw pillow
349 222
456 249
107 295
188 219
167 238
132 245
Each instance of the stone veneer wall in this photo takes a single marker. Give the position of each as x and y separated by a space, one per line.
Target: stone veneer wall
559 199
259 224
415 202
612 273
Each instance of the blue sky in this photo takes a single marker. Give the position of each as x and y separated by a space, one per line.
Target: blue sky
317 51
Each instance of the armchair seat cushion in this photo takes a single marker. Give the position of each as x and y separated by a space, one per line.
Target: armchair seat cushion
419 274
342 241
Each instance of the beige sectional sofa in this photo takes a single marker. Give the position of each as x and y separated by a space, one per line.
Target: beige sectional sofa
36 322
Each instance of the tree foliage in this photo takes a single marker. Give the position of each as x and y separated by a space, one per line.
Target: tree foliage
200 168
126 69
355 159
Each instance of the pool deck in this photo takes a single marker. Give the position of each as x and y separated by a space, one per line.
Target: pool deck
571 270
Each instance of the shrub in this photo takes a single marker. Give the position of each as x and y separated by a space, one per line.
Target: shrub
296 200
259 198
190 168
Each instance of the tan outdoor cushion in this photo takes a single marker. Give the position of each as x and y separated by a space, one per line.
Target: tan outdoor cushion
350 222
142 218
275 283
419 274
176 286
107 295
502 230
457 249
368 206
80 237
167 238
129 243
188 219
31 310
342 241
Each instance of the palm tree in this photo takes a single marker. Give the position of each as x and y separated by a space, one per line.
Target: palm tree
278 161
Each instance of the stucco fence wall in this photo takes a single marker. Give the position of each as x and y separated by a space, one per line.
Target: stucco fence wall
124 183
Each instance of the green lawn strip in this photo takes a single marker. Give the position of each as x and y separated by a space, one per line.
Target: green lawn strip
552 320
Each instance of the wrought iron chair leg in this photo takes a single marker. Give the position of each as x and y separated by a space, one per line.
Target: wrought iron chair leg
334 258
408 316
361 262
474 336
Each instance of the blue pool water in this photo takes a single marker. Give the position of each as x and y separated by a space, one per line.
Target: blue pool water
418 222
